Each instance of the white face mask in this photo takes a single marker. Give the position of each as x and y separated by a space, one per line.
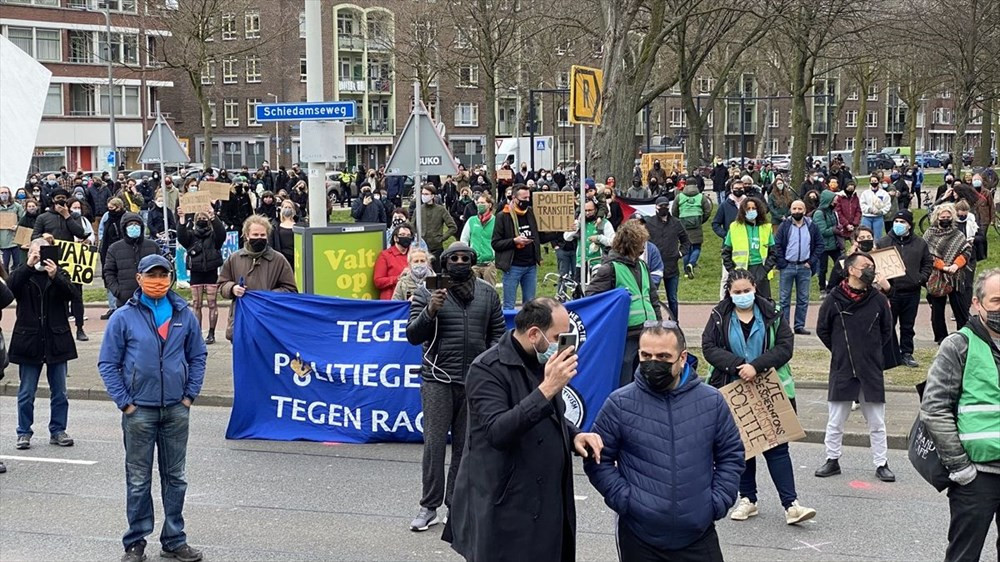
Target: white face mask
426 199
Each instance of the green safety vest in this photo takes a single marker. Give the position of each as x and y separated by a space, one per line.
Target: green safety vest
481 239
688 206
593 257
785 371
739 237
979 404
639 309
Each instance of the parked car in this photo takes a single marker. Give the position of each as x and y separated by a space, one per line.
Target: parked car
781 162
880 161
928 160
139 175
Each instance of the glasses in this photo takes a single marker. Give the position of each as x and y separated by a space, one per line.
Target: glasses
459 258
668 324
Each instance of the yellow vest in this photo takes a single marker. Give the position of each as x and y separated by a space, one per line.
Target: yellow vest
739 237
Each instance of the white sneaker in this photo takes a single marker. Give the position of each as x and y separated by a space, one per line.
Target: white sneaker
745 509
797 514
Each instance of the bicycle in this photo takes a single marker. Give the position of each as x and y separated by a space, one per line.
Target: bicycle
567 288
166 242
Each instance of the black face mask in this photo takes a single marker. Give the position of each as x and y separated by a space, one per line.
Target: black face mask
257 245
868 275
992 319
738 193
404 241
523 205
798 216
663 211
202 223
460 272
866 245
659 374
944 223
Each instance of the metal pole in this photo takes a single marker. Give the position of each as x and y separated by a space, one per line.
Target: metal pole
277 139
531 126
163 173
111 87
648 139
315 76
743 132
582 221
417 184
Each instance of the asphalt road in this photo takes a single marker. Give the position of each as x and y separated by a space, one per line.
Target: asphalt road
256 500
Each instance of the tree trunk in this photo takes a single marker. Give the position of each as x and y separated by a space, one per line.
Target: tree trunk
490 120
694 149
860 148
719 128
800 132
913 103
983 155
613 142
206 117
961 124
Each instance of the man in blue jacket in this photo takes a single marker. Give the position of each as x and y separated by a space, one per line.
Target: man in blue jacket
798 246
153 364
672 455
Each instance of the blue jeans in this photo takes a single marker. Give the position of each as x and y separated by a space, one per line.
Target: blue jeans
877 224
166 429
526 277
670 286
800 276
692 256
11 258
112 301
779 464
58 403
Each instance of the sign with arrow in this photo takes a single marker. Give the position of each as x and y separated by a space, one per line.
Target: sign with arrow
585 95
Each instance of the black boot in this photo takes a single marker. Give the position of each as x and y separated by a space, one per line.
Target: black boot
81 335
211 337
830 468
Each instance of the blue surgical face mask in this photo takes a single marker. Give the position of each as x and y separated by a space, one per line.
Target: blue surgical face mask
899 229
751 215
133 231
977 183
744 301
549 351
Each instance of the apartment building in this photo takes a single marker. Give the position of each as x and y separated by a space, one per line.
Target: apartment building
69 37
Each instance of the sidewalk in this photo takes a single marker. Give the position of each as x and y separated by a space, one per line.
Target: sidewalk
85 383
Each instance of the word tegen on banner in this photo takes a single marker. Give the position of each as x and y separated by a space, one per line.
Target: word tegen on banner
554 210
79 261
762 412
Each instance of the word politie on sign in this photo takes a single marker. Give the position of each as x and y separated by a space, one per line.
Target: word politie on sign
762 412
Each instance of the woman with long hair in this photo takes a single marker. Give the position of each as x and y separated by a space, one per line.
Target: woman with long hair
952 253
202 234
283 237
749 244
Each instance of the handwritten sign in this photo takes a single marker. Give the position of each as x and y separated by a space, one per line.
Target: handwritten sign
888 262
763 413
505 175
8 221
79 260
554 210
22 236
219 190
197 201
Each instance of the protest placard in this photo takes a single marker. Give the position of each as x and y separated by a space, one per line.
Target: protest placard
197 201
554 210
888 262
22 236
504 174
218 189
8 221
79 261
762 412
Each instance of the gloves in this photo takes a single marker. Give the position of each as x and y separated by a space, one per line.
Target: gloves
965 476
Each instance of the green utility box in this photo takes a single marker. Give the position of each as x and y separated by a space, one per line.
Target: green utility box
338 260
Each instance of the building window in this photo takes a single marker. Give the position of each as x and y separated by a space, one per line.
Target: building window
211 111
229 70
468 76
871 145
774 146
119 5
232 154
677 117
345 24
251 24
705 85
775 119
467 114
53 3
873 92
81 47
462 39
921 119
562 79
945 95
54 100
228 27
567 151
302 69
853 96
48 45
851 118
123 48
252 104
231 113
871 119
126 100
208 73
562 115
849 143
81 100
302 25
942 116
253 69
23 38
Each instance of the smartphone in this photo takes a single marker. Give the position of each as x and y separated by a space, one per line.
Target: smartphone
437 282
50 253
569 339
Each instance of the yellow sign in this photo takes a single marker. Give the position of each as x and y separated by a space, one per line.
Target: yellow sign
585 95
79 261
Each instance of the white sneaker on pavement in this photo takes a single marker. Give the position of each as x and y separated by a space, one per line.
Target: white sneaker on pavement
797 514
745 509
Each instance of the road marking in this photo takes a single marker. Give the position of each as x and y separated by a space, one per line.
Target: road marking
42 459
812 546
579 498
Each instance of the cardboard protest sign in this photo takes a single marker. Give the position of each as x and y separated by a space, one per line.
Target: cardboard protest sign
554 210
762 412
8 221
79 261
22 236
197 201
219 190
888 262
504 174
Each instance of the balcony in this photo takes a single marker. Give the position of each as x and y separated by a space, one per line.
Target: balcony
347 42
351 86
379 44
381 127
380 86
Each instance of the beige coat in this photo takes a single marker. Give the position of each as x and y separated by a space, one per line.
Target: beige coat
269 272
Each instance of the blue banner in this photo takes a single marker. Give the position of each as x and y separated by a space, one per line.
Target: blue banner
329 369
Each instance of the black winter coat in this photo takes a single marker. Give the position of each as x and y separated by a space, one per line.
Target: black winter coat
458 331
51 222
504 234
237 209
917 259
717 351
514 489
670 239
41 332
373 212
859 336
204 246
113 232
122 262
97 199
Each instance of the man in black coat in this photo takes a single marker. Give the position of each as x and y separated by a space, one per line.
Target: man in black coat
454 326
368 209
41 338
514 496
905 294
123 257
720 174
668 235
54 221
855 325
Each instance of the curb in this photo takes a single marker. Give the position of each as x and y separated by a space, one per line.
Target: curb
817 385
812 435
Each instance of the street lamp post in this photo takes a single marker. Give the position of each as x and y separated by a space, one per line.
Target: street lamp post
111 82
277 139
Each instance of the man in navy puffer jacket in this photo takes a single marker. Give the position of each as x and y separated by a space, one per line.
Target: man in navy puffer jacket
675 456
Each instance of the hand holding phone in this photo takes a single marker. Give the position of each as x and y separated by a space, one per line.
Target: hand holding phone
569 340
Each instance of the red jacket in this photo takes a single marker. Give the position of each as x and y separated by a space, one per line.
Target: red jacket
848 210
389 264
